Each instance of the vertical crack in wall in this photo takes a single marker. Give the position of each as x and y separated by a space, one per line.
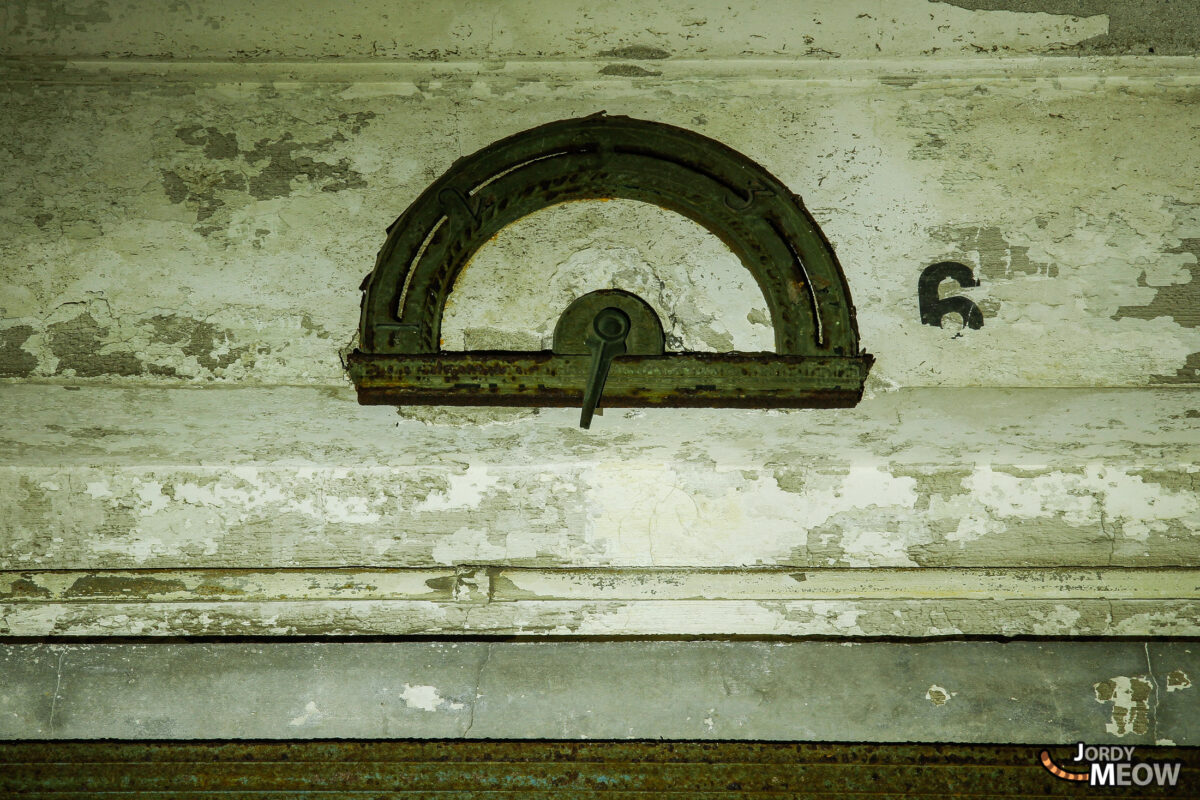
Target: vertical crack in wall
1153 710
57 687
487 657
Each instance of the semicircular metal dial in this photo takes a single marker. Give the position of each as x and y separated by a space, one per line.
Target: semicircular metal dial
817 360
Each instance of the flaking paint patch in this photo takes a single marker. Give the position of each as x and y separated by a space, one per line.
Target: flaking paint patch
309 716
119 586
427 698
1188 373
1062 620
466 490
1130 699
989 251
24 588
88 339
81 347
1134 26
1177 301
263 171
1099 495
636 53
678 514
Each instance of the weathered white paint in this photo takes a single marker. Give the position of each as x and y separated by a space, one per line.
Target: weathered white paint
184 237
620 32
670 519
302 478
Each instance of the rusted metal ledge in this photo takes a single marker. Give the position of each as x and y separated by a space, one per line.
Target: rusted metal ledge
743 380
516 769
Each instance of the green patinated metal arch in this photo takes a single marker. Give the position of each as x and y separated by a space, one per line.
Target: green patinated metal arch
600 157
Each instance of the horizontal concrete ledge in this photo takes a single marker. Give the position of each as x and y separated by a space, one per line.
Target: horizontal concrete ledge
485 584
500 601
1131 692
1087 71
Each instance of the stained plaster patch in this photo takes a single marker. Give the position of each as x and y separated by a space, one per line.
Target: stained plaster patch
83 347
91 339
15 360
228 172
1177 681
628 71
939 695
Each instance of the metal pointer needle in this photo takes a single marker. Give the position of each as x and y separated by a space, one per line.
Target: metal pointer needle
609 330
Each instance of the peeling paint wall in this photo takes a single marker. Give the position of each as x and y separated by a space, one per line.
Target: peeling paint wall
191 232
434 31
193 193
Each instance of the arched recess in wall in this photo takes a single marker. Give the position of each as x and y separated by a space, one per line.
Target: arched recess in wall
817 360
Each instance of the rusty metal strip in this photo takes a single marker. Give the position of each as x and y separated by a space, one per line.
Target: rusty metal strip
548 379
520 769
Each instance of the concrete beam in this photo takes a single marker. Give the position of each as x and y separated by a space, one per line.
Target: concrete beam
1134 693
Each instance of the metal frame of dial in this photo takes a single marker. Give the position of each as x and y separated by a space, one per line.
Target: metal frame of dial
817 362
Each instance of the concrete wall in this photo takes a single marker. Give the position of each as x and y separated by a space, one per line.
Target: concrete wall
193 193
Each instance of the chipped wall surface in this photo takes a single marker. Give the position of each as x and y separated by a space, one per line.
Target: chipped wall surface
188 232
302 477
190 205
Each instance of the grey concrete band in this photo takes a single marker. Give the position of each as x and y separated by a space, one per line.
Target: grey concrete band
1017 692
